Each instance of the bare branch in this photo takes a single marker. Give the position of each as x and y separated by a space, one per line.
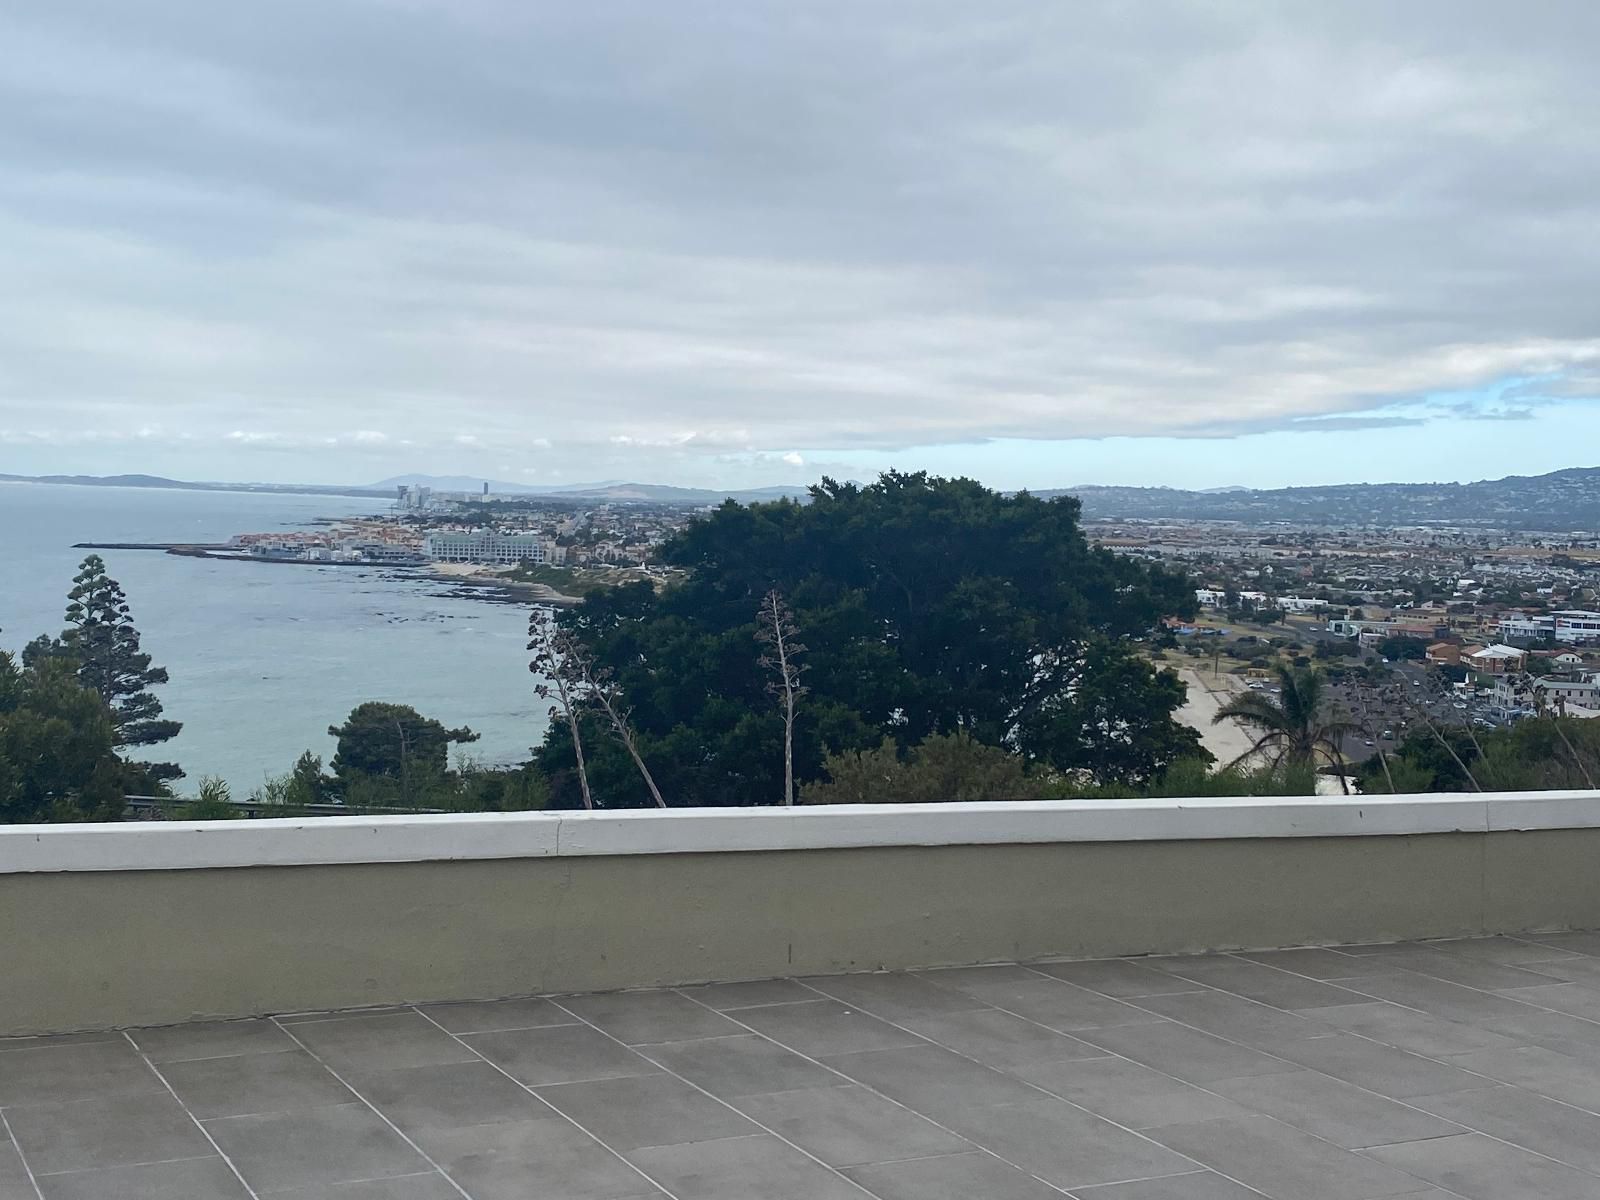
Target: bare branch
777 630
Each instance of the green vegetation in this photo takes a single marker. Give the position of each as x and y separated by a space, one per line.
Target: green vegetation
954 767
102 644
70 705
928 607
1532 755
58 759
569 581
1296 729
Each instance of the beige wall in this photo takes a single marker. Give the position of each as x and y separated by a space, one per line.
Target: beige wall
83 950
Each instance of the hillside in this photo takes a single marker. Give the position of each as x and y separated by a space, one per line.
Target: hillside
1562 501
649 493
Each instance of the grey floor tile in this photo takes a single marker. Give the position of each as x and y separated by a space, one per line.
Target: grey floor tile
1128 1093
850 1126
1398 1074
1420 1033
981 980
484 1016
1184 1053
1068 1008
448 1095
377 1043
1571 969
726 996
1201 1185
654 1016
1284 1163
1235 1018
14 1184
646 1110
1314 962
740 1066
310 1147
893 995
190 1179
820 1027
1066 1146
1436 997
45 1040
747 1168
254 1083
1454 968
1480 1168
1118 977
1252 980
954 1177
1336 1111
1000 1039
84 1071
1510 951
105 1133
1571 941
933 1081
210 1039
1552 1030
531 1161
1574 999
1535 1123
558 1054
431 1186
1545 1072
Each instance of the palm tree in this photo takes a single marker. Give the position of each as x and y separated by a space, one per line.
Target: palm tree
1298 728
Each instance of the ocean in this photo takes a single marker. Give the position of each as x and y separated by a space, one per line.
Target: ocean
265 656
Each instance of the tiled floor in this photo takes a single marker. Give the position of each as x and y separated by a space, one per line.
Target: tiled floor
1448 1069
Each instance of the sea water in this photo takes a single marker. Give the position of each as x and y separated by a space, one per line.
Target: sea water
265 656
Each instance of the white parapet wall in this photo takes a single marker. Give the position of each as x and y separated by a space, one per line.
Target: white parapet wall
120 924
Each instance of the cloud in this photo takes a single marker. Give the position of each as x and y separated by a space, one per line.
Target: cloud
642 238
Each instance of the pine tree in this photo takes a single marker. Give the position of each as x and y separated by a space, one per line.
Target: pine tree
100 637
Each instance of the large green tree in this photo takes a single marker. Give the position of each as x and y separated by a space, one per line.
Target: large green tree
928 606
101 639
394 743
58 761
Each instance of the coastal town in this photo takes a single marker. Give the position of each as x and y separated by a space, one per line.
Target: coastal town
1415 627
1468 625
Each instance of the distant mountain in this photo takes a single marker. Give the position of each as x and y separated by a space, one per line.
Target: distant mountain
1562 501
157 481
648 493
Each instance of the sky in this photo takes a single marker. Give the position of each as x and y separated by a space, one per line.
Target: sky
1041 244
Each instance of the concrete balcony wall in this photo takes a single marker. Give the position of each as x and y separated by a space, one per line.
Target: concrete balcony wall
111 925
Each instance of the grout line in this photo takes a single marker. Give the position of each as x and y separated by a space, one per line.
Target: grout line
725 1103
852 1082
1043 1094
600 1141
1489 1082
5 1128
204 1132
427 1158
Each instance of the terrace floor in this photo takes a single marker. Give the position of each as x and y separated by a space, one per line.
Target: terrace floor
1425 1070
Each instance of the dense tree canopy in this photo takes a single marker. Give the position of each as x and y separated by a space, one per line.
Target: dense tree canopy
100 640
57 755
928 606
392 741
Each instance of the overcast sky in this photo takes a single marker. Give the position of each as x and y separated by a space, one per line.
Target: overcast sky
741 243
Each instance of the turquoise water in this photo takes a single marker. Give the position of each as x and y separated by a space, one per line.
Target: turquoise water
264 657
